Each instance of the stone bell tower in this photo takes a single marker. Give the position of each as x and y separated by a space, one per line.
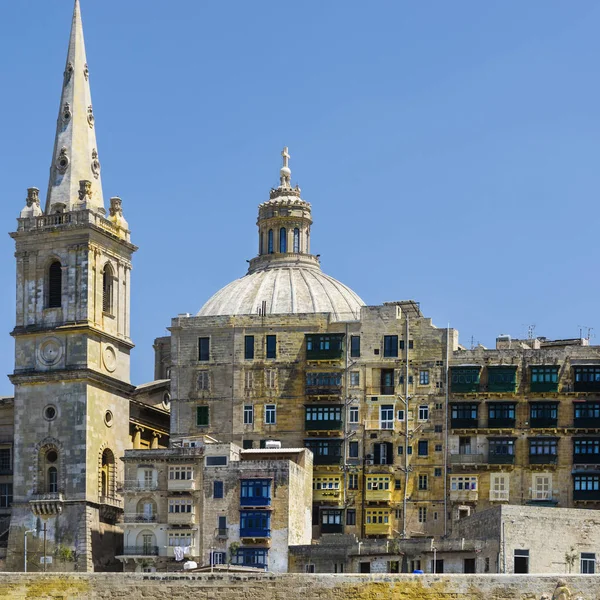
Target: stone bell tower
72 341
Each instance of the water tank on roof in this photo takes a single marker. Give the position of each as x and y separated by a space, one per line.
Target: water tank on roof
273 445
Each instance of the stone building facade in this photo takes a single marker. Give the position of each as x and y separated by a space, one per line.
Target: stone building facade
215 504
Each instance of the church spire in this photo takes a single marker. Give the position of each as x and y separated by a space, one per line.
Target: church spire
75 181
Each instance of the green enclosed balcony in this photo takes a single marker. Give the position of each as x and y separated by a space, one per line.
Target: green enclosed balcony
544 378
465 379
328 346
502 379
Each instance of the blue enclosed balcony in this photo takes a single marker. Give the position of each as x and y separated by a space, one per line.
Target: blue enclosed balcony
255 524
255 492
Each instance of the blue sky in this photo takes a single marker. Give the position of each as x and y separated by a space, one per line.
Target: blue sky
449 149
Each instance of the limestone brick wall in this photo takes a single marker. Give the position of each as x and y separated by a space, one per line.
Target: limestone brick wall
282 587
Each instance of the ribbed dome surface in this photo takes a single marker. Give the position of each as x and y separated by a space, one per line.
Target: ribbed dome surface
286 289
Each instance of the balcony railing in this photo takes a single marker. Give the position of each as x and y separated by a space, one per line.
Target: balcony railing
182 518
586 386
463 495
325 425
543 386
254 532
586 495
466 459
133 485
464 423
378 528
222 532
379 425
586 422
179 485
501 423
255 501
586 459
140 518
378 495
381 390
332 528
323 390
327 459
543 459
499 495
140 551
543 422
326 495
540 495
110 501
6 471
501 459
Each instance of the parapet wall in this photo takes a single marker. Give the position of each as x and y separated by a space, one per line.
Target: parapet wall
107 586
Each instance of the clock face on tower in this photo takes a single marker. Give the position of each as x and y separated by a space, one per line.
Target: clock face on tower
50 351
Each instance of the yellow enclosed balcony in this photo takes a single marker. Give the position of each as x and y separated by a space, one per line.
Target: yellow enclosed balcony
181 518
327 489
181 478
378 522
378 488
181 512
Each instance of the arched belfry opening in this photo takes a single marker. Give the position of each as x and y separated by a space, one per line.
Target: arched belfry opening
54 285
107 474
108 278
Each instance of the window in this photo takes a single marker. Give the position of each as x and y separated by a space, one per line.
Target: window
203 380
401 344
217 489
400 450
544 374
248 380
411 344
249 347
326 483
502 379
377 517
271 346
181 473
282 240
422 514
107 289
248 414
323 417
324 346
328 383
437 428
331 517
587 563
583 448
270 241
423 377
438 447
270 414
216 461
587 410
386 416
423 413
423 480
353 449
437 472
501 447
461 483
354 378
501 412
53 480
543 414
541 488
296 240
464 412
6 495
180 539
5 461
352 417
255 492
390 346
251 557
464 379
54 297
543 449
383 453
247 444
351 517
218 558
180 505
309 568
352 481
271 378
255 523
355 346
400 415
203 348
423 448
202 416
499 487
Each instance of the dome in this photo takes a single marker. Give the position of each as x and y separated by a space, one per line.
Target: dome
287 287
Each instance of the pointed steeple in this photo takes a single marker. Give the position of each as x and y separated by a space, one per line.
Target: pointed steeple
75 181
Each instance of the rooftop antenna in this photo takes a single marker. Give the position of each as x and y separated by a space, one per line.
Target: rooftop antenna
530 331
588 333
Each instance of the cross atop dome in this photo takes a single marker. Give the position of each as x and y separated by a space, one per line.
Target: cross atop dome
285 177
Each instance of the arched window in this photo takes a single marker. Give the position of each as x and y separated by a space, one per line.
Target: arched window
107 474
146 510
282 240
296 240
52 480
270 247
107 289
54 297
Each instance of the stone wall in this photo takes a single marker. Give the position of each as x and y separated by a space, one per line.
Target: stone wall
283 587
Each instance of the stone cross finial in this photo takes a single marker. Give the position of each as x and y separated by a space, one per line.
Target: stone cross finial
286 157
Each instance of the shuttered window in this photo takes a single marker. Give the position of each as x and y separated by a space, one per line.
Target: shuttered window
55 285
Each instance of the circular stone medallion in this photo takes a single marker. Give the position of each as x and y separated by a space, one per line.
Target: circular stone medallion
50 351
109 357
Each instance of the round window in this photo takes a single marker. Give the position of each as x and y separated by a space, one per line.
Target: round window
50 413
51 456
166 400
108 418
